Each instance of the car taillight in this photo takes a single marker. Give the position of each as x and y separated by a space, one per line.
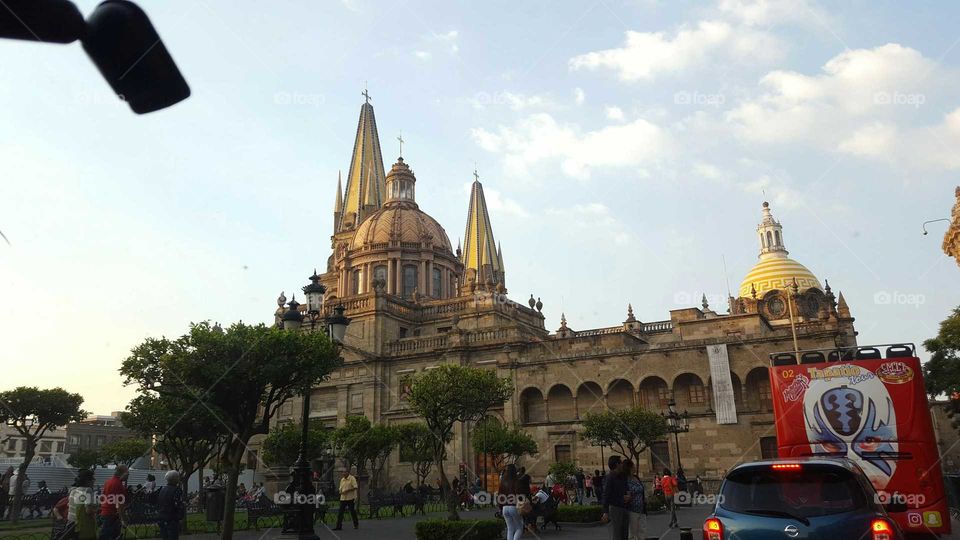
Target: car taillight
712 529
785 466
881 529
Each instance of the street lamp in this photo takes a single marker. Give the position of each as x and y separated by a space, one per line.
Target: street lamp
299 522
677 423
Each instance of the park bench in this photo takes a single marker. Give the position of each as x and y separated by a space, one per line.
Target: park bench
265 508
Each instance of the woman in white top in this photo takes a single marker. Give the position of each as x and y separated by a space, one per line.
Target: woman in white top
82 507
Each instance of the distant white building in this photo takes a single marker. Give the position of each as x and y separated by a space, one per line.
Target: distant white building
13 446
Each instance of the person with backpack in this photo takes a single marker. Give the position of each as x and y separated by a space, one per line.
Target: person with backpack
171 507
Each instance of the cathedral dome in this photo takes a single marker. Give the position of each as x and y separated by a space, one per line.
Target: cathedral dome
777 273
774 270
400 219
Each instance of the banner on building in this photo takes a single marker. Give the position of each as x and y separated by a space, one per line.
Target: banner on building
724 400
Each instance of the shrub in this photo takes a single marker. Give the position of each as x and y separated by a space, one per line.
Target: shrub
656 502
579 514
468 529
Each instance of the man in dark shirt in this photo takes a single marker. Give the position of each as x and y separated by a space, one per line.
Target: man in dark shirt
171 508
615 500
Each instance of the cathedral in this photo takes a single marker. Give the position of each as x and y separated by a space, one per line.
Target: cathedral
416 302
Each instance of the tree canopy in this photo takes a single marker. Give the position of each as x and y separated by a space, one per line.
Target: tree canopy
450 394
281 447
506 444
242 375
942 372
631 431
31 412
416 448
125 451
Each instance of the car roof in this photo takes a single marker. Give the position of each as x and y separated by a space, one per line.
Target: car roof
812 460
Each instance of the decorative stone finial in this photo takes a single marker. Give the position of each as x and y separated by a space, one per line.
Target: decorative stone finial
282 299
753 291
630 317
703 302
539 304
532 302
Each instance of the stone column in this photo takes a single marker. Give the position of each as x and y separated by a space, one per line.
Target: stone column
390 289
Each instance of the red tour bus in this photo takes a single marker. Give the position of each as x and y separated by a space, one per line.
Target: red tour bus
867 404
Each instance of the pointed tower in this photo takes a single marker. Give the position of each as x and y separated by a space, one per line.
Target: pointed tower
775 270
338 206
480 251
366 180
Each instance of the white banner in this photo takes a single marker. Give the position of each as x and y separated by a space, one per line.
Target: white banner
724 401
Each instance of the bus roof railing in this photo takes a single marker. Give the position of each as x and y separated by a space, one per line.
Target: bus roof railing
844 354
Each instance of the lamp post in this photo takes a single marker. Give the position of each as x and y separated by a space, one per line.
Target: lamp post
299 522
677 423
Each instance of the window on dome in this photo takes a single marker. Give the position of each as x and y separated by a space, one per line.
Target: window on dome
356 282
777 235
769 239
409 280
380 273
437 283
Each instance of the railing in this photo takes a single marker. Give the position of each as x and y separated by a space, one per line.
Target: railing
417 344
599 331
497 334
658 326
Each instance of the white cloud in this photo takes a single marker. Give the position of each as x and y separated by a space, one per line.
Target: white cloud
614 113
865 103
444 43
514 101
645 55
448 40
579 96
539 138
422 55
769 12
497 203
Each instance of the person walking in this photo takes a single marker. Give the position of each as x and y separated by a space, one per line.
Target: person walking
111 509
638 502
616 499
6 480
348 499
171 507
588 485
581 480
669 485
150 484
507 499
81 508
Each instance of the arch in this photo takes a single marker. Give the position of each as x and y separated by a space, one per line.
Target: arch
532 406
410 280
654 394
757 396
690 393
779 239
769 239
620 394
589 398
737 392
561 404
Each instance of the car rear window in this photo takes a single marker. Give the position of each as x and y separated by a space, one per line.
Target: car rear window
814 490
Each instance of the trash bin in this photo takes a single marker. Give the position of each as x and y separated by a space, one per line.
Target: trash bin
215 499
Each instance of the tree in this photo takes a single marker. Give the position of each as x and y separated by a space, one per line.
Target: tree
125 451
241 375
506 444
282 446
379 443
416 448
86 459
631 431
450 394
562 470
32 412
184 431
942 372
347 442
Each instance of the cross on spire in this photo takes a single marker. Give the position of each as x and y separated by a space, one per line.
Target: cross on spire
365 94
476 175
400 138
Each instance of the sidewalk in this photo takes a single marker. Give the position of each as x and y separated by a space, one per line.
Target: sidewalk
403 528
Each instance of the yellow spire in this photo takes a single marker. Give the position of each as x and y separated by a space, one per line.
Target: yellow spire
337 206
480 250
365 179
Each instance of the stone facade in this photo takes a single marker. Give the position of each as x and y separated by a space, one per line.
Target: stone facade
455 309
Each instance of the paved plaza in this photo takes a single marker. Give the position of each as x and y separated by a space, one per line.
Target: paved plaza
403 528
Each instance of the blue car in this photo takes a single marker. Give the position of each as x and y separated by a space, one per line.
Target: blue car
803 499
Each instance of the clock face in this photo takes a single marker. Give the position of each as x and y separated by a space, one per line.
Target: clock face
776 307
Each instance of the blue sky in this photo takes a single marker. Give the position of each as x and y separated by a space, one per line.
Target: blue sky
625 148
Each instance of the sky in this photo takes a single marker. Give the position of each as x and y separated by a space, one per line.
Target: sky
625 148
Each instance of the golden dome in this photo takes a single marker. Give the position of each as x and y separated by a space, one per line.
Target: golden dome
777 273
400 222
